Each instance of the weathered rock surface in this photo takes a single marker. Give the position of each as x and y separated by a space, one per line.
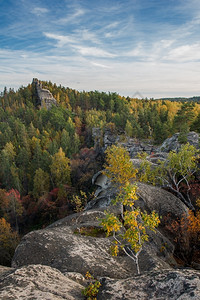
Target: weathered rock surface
44 96
163 202
162 285
172 143
4 270
133 145
150 198
62 246
38 282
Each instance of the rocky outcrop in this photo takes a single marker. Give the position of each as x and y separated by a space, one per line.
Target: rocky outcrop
162 285
133 145
44 96
4 270
46 283
62 246
150 198
77 244
164 203
172 143
39 282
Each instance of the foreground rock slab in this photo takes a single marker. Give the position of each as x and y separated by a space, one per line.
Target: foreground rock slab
62 246
38 282
162 285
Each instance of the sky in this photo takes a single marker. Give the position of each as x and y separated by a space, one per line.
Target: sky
147 47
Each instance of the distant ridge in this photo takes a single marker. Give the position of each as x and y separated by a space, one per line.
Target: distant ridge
194 98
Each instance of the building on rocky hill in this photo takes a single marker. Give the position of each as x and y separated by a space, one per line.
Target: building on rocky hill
44 97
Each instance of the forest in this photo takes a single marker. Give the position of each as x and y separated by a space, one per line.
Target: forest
48 156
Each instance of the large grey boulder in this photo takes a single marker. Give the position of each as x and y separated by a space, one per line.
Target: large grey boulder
62 246
164 203
66 246
4 270
172 143
162 285
150 198
39 282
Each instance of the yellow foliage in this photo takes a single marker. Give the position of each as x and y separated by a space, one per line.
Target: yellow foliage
110 223
8 241
60 168
194 222
118 166
120 170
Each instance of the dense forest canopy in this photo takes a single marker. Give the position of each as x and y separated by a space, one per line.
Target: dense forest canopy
48 156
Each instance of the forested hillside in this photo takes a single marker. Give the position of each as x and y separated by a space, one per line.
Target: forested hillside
47 156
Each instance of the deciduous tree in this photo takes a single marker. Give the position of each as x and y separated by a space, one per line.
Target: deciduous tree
176 170
134 222
60 169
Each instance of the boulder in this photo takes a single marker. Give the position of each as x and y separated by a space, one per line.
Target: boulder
150 198
64 246
4 270
39 282
172 143
164 203
78 244
162 285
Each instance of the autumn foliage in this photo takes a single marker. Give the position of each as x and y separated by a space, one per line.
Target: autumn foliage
134 223
8 242
186 235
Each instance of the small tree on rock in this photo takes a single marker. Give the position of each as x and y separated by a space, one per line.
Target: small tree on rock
134 223
176 171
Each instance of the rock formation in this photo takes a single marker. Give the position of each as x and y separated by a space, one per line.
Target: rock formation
162 285
150 198
77 243
172 143
133 145
39 282
50 263
44 96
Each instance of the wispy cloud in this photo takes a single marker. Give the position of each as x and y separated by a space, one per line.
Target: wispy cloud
122 46
100 65
87 35
81 49
62 40
74 17
185 53
39 11
94 51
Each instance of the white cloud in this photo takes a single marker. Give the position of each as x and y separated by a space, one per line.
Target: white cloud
100 65
104 49
185 53
39 11
94 51
74 43
74 17
87 35
112 25
151 79
62 40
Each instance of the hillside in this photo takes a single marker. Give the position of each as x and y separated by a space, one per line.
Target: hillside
49 154
54 143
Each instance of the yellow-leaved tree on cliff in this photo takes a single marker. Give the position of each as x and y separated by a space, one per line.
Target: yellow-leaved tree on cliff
134 223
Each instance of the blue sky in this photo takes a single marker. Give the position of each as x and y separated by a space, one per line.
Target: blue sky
149 46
